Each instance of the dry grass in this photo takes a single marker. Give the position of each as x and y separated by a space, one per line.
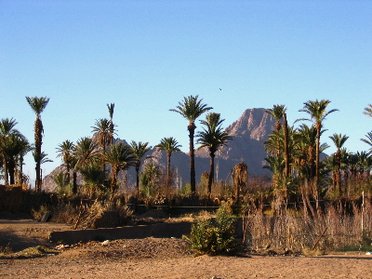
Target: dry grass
290 233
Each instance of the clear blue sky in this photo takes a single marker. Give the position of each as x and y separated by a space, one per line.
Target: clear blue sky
144 56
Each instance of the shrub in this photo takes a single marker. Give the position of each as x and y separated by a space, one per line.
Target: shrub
215 235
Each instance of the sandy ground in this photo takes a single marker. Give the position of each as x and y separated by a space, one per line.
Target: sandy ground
160 258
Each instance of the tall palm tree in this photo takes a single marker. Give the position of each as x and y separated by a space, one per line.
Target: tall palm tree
102 132
38 104
139 150
65 150
111 109
169 145
212 137
103 135
338 140
317 111
7 130
368 110
121 157
191 108
278 112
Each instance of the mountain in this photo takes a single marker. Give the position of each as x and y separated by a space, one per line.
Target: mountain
248 134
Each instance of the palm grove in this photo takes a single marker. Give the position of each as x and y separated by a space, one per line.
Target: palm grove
295 156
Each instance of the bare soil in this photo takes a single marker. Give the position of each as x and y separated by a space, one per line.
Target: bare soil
158 258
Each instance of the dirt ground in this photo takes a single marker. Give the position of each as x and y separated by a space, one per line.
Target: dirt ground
158 258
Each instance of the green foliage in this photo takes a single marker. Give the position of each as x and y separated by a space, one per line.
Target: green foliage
215 235
150 180
185 190
62 181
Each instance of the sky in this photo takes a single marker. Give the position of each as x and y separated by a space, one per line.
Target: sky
145 56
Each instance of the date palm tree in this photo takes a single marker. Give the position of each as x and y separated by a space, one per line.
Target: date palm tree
25 147
368 140
43 159
111 109
65 150
121 157
191 108
102 133
338 140
7 131
317 111
278 112
38 104
85 154
139 150
13 148
212 137
169 145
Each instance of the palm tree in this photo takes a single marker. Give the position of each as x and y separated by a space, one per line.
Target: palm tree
139 150
212 137
65 150
111 109
368 140
103 135
7 130
102 132
25 147
338 140
85 153
38 104
191 108
368 110
277 112
43 159
169 145
318 113
13 147
121 157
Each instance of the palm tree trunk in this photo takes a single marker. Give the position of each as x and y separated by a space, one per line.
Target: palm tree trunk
317 166
191 129
168 170
113 181
211 173
137 180
11 169
5 168
38 142
20 177
74 182
286 143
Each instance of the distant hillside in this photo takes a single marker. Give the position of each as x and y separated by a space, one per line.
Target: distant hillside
248 133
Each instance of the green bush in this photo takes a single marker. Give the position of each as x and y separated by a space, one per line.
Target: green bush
215 235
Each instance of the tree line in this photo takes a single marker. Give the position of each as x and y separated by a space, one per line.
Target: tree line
294 155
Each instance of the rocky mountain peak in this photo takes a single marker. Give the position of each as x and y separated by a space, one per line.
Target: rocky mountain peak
255 123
